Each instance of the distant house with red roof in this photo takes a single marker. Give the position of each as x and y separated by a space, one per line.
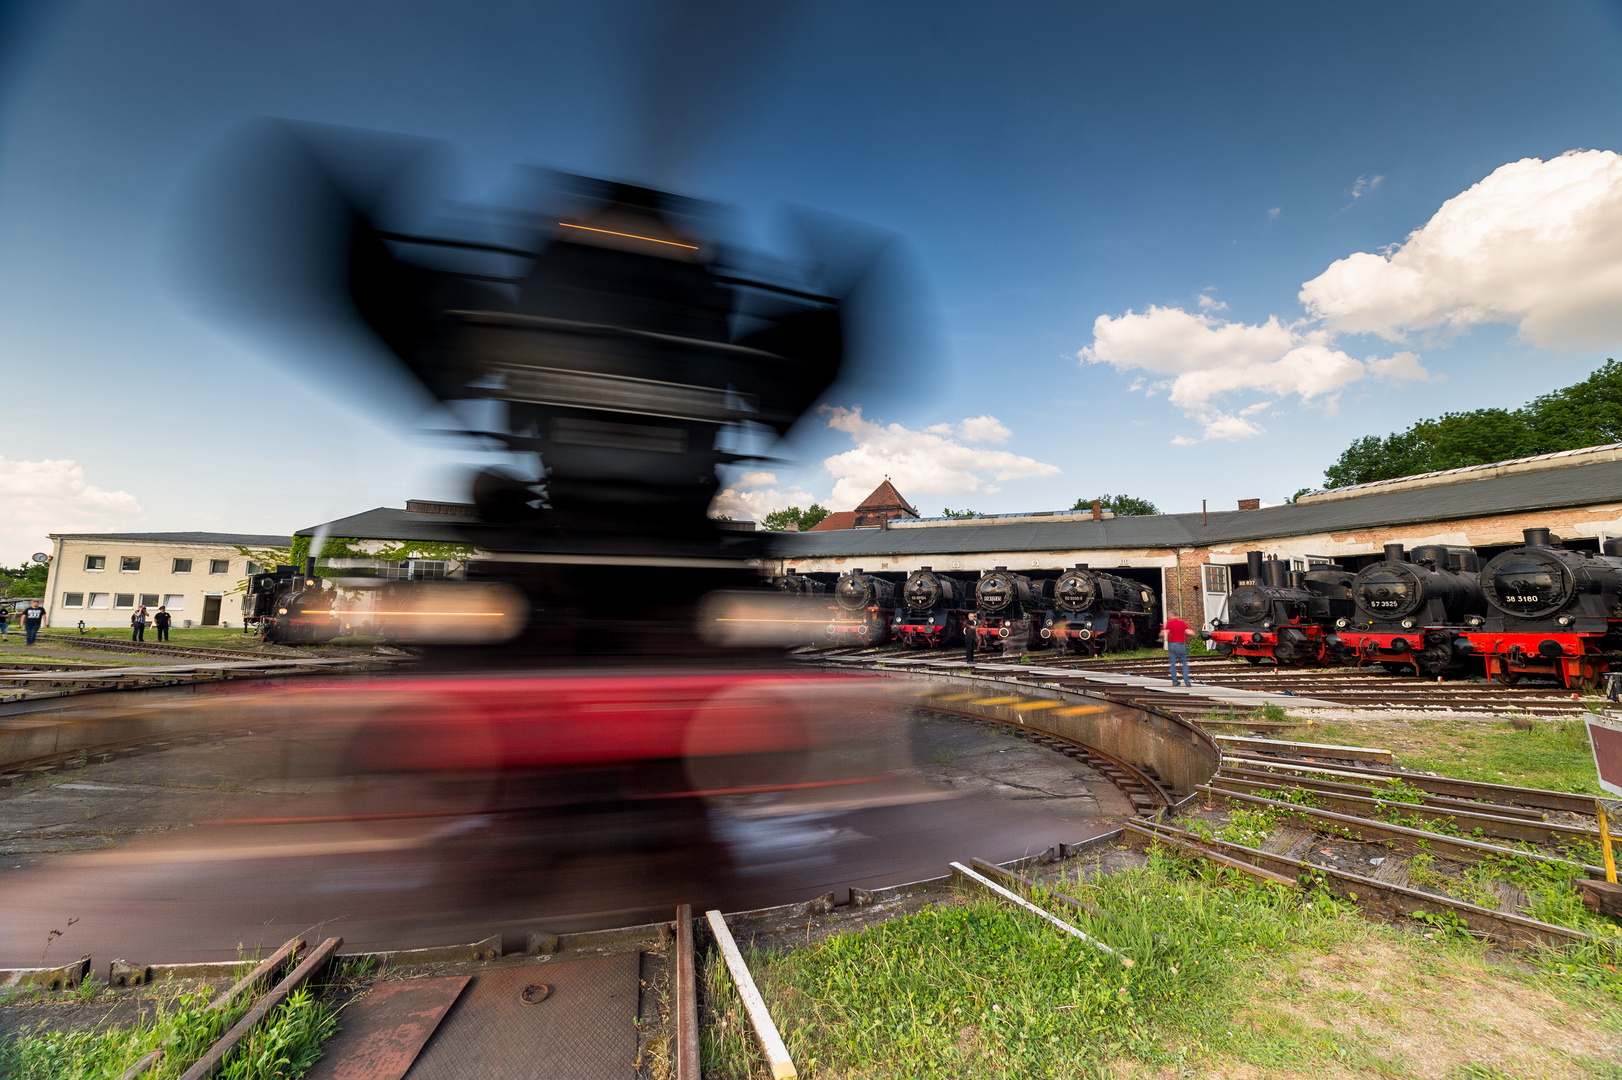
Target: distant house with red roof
875 512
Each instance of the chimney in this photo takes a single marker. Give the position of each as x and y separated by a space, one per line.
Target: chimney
1250 504
1253 566
1098 510
1393 553
791 527
1537 537
309 566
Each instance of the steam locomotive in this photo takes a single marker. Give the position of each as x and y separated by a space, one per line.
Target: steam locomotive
934 610
1553 612
864 609
1413 608
1009 610
1284 615
288 605
1093 612
619 352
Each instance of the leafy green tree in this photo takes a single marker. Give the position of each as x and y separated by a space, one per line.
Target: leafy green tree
25 580
1588 413
780 520
949 512
1119 505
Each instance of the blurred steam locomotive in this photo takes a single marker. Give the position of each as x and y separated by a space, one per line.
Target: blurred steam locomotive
618 354
1540 610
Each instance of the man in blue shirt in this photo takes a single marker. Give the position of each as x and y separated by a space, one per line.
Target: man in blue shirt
33 619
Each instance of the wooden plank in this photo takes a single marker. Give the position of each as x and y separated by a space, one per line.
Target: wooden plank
142 1067
1328 750
267 966
687 1061
220 1051
770 1041
1020 901
385 1029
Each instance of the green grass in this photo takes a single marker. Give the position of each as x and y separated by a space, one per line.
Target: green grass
283 1047
1229 975
181 1023
1553 754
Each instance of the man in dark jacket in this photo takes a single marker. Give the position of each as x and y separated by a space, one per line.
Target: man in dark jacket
161 621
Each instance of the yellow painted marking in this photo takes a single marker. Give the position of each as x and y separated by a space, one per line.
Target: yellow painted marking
1034 704
1081 710
954 697
997 701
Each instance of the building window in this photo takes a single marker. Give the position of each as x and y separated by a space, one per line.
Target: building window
95 562
174 601
129 564
219 566
123 600
149 599
182 566
98 599
254 568
73 599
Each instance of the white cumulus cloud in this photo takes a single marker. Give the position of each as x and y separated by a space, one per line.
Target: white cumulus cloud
41 497
939 460
744 502
1536 244
1201 358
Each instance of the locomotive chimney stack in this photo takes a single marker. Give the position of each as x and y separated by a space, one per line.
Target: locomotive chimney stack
1277 573
309 566
1394 553
1537 538
1253 566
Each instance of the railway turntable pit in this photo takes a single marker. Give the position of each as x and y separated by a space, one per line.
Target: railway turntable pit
1048 776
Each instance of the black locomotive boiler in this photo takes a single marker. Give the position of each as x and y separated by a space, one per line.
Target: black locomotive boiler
1094 611
1284 615
1413 609
810 605
1009 609
934 609
1552 611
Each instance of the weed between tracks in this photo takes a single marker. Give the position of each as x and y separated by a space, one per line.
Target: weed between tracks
1231 977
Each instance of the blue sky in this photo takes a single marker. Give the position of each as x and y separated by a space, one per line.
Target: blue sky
1047 164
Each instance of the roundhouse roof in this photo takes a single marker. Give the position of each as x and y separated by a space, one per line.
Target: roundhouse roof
1578 485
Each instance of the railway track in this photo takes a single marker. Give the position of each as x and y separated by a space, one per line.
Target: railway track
1338 687
190 652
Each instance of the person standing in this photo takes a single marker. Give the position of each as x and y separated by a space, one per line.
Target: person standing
1175 635
161 621
5 620
971 638
33 619
138 624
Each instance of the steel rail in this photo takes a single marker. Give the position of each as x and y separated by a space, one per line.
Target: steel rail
1369 791
1399 837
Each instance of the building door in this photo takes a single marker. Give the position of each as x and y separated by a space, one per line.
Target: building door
211 611
1217 587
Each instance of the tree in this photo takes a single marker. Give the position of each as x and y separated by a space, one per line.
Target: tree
1588 413
780 520
1119 505
948 512
26 580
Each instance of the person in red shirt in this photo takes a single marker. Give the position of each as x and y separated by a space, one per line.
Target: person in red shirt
1175 635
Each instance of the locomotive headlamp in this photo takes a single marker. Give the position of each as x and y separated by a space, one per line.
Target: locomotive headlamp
1267 624
281 611
1342 623
1407 624
1564 620
1476 620
1046 633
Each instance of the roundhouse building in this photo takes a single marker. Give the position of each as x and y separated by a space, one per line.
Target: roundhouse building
1193 560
